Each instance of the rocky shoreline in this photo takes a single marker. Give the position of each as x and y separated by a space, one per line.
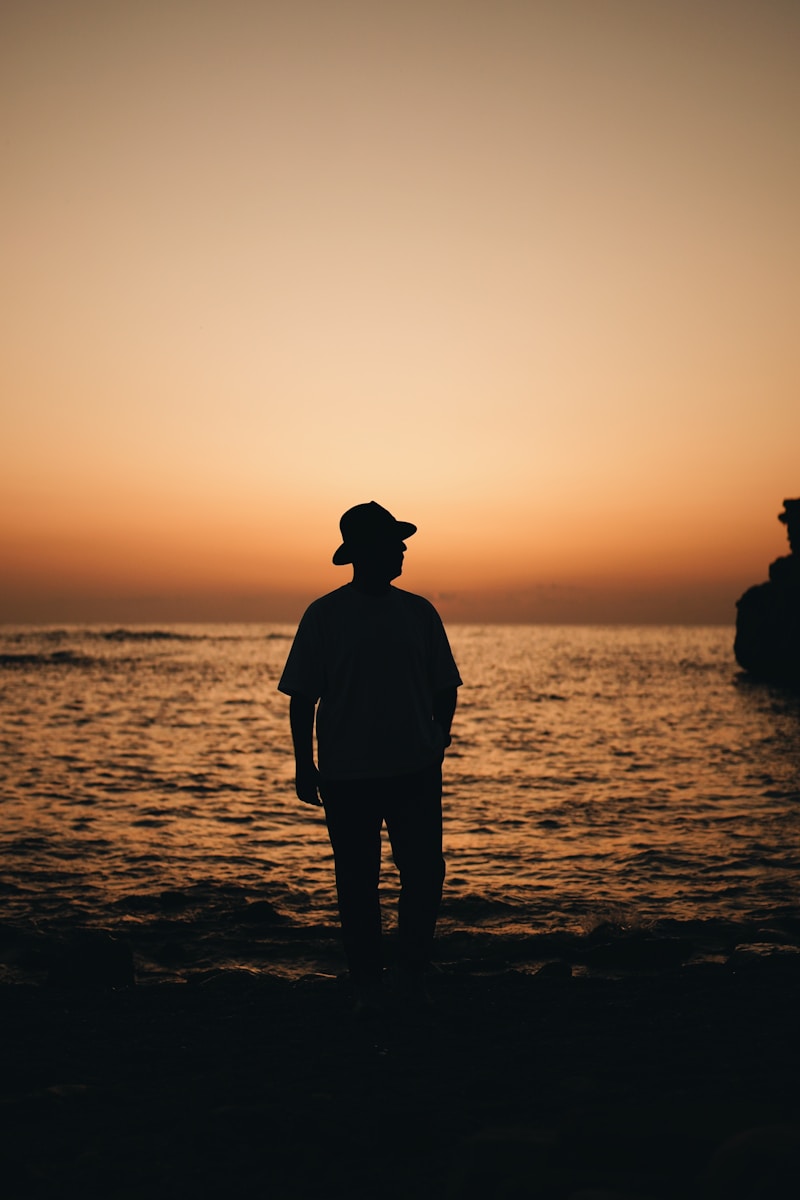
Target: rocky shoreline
646 1081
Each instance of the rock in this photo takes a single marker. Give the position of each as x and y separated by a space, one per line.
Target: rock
779 936
761 1162
555 969
173 900
641 952
260 912
767 642
93 959
233 979
513 1161
766 956
171 953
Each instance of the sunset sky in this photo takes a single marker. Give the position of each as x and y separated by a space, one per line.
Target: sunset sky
527 272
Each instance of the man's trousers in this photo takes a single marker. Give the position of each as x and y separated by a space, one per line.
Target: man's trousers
411 807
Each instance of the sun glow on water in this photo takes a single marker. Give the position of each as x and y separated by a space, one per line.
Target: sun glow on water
593 771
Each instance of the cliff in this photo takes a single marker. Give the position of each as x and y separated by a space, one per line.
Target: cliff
767 643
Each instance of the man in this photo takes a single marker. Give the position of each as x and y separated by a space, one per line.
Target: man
375 664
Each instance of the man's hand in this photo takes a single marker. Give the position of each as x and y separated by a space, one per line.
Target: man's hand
444 706
306 783
306 775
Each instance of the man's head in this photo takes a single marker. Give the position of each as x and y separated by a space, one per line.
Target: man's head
370 533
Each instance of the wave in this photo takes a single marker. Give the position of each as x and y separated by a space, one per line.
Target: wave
145 635
171 635
178 933
57 658
122 635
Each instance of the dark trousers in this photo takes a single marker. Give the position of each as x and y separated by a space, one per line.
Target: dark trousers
411 806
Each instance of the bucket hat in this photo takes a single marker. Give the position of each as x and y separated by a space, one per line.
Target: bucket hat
366 526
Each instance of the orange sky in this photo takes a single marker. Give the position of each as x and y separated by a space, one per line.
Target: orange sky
524 272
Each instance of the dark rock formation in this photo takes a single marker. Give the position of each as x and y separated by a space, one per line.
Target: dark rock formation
767 641
93 960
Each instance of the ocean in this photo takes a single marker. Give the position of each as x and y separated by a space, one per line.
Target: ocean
625 777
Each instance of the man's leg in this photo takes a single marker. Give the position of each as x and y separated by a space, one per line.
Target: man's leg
354 819
413 813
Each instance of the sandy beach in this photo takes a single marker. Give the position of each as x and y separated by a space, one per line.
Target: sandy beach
675 1082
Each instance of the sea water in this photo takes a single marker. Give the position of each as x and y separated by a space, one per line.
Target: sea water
596 773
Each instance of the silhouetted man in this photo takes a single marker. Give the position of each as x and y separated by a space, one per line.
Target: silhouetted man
375 663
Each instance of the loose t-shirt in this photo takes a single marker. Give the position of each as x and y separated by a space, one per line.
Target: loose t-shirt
374 664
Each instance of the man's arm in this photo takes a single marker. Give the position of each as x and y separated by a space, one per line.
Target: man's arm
444 707
301 720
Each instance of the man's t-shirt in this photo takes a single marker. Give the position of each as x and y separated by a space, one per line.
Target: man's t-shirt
374 664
